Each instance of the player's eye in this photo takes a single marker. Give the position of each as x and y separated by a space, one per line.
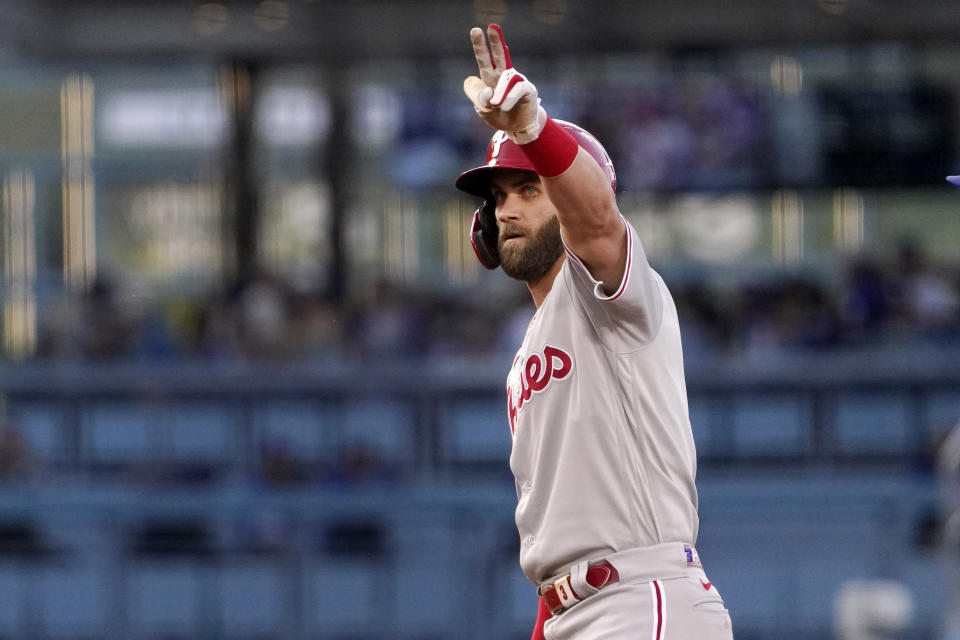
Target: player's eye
530 190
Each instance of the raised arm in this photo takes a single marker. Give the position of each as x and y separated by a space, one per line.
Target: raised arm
580 190
590 221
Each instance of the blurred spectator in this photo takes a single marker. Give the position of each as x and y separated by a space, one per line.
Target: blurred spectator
461 325
109 326
703 133
262 308
280 465
358 464
388 324
363 537
707 323
161 536
872 610
315 327
727 129
218 335
864 304
14 456
807 316
265 530
658 148
926 300
92 326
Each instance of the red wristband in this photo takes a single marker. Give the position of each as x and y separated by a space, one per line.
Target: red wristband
553 151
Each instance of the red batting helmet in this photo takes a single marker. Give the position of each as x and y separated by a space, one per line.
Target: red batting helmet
504 153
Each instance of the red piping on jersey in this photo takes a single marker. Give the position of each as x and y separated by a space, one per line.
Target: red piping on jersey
658 633
626 271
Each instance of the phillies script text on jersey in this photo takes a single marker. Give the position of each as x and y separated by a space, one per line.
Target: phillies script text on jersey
532 375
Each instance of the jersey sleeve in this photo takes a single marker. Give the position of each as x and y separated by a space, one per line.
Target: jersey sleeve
630 317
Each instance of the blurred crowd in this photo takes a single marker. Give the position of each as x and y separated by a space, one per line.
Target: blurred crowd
689 131
698 131
267 320
903 298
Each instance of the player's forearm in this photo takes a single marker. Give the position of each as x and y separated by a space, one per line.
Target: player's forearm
589 218
585 204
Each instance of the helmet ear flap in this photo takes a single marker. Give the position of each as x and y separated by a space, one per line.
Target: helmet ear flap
484 234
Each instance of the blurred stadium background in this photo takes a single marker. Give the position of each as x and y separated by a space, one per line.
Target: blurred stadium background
252 373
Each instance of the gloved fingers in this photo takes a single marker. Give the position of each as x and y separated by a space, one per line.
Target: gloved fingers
498 48
485 61
479 93
511 88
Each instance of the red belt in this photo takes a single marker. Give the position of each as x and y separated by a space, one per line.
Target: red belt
560 595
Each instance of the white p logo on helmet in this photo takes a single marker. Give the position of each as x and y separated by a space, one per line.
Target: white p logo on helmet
498 139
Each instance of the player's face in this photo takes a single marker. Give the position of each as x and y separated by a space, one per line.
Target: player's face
529 240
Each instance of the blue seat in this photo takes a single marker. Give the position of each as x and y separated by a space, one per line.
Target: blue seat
164 597
74 599
943 410
477 432
771 424
703 421
433 566
872 423
42 424
254 596
515 598
307 427
928 577
13 588
346 595
205 433
384 427
122 433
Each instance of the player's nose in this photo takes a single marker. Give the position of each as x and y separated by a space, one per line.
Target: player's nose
508 209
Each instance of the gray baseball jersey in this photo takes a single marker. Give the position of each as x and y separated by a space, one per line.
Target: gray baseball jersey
603 453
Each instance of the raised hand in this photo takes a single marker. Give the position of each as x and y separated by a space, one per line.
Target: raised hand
502 96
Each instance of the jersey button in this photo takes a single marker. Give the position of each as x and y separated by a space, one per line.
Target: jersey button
527 486
529 540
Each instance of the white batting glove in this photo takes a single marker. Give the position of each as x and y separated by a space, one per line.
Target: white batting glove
502 96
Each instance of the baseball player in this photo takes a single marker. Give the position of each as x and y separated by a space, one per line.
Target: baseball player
603 454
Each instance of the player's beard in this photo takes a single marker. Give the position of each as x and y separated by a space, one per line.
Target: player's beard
532 258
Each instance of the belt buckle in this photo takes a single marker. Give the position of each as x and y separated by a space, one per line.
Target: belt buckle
560 595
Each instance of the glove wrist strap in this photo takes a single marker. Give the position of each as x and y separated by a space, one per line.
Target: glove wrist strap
533 130
553 151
